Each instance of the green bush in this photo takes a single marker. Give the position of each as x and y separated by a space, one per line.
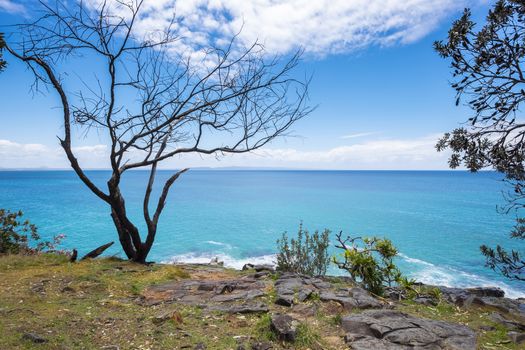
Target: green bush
369 262
16 235
306 254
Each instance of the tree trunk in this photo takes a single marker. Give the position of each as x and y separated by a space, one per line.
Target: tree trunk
129 237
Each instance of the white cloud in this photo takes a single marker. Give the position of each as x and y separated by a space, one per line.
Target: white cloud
11 6
360 134
387 154
417 153
10 149
321 27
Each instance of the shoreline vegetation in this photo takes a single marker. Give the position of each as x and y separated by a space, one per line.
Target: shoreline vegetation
107 303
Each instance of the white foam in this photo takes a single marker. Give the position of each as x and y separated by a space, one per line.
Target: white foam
229 261
429 273
414 260
220 244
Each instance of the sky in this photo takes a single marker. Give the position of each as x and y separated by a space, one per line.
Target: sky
381 93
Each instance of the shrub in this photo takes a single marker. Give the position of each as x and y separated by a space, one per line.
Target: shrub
306 254
369 262
16 235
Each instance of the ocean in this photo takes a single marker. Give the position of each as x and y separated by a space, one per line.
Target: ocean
437 219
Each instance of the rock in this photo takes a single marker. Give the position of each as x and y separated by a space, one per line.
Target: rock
286 300
262 346
261 274
363 299
264 267
200 346
168 315
390 329
33 337
511 325
284 327
371 343
110 347
205 293
305 310
516 337
258 268
425 300
247 267
352 298
487 292
215 262
491 296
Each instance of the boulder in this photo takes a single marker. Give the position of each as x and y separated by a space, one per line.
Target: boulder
390 329
284 327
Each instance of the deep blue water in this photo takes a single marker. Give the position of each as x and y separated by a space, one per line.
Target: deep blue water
436 219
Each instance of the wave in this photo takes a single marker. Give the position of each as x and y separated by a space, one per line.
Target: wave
431 274
229 261
220 244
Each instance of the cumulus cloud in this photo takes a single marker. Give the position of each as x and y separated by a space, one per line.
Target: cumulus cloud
320 27
11 6
9 149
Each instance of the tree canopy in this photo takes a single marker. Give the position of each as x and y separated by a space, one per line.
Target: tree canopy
488 76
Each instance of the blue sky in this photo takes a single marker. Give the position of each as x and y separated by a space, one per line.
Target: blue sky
382 92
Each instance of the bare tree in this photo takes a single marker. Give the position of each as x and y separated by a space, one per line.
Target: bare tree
153 102
2 46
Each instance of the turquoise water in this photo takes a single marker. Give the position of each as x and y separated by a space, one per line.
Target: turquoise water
436 219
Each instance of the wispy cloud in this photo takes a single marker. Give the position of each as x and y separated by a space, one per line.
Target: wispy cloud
361 134
11 6
320 27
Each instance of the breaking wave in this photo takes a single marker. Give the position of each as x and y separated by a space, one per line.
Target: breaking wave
428 273
229 261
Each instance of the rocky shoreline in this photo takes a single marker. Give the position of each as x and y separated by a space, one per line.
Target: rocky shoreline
369 322
108 303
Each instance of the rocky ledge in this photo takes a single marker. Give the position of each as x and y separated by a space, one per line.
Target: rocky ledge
367 321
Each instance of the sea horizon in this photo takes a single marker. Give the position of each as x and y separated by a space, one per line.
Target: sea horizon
436 218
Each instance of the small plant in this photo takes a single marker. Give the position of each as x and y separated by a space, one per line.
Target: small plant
369 262
16 235
436 294
306 254
409 287
306 336
263 328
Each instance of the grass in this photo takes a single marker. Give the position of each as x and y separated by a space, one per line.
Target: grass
93 304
